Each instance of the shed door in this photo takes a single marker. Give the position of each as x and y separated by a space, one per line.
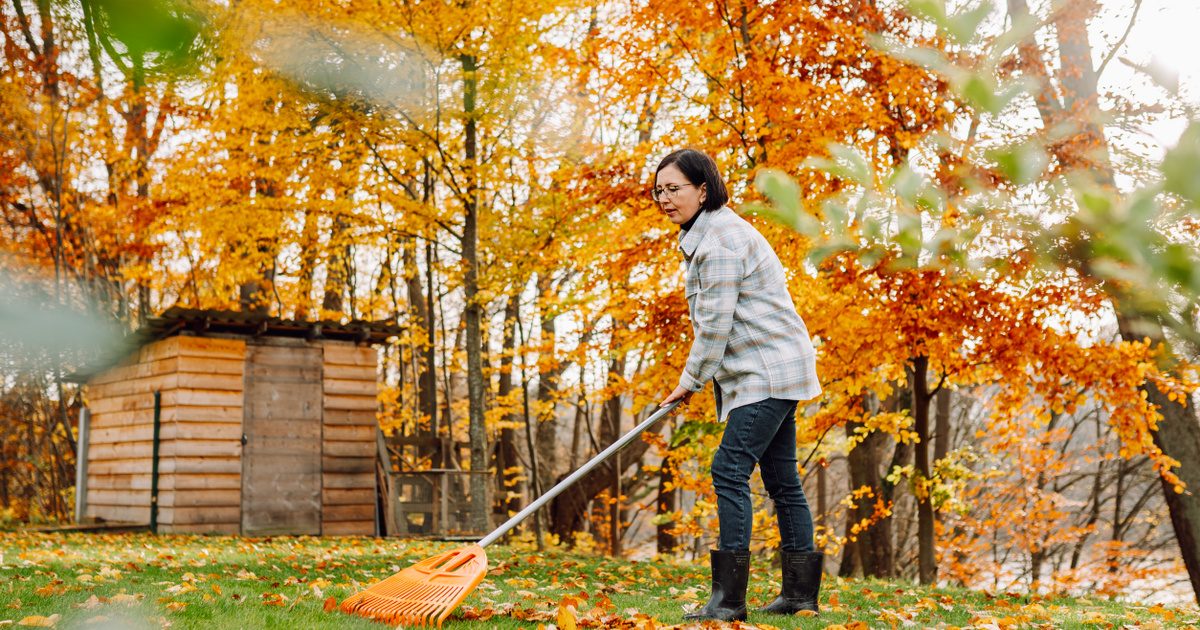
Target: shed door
281 459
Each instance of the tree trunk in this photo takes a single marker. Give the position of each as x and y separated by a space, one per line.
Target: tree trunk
668 501
439 453
549 372
941 426
337 269
473 312
610 430
874 544
422 319
308 264
535 482
850 551
926 545
1178 436
941 430
822 491
508 465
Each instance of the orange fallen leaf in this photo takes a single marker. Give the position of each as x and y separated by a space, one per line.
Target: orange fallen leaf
125 598
566 617
38 621
1167 615
49 590
331 604
850 625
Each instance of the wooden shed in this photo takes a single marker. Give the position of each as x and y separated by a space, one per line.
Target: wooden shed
235 423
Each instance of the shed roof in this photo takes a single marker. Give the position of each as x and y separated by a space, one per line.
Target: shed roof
201 322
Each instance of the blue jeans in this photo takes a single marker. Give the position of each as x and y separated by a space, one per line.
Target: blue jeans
762 433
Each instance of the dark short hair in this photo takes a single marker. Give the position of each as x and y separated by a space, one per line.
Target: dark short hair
699 169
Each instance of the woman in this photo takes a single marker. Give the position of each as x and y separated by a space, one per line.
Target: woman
754 347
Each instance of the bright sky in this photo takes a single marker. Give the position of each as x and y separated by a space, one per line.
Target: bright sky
1166 33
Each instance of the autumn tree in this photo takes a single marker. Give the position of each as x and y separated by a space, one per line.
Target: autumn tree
1067 95
1011 166
85 99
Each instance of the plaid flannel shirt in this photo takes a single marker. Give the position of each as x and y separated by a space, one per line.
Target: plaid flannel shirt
748 337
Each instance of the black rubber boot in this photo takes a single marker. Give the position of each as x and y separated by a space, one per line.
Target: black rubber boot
801 583
730 572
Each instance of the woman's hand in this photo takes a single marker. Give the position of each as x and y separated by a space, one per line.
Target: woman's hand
679 394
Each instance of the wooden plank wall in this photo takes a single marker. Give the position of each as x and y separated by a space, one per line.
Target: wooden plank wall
200 487
281 466
348 441
121 400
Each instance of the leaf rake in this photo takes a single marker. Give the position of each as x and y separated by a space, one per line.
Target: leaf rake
428 591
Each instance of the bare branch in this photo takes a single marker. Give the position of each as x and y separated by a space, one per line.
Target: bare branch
1137 6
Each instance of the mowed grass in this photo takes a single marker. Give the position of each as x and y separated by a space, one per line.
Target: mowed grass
145 581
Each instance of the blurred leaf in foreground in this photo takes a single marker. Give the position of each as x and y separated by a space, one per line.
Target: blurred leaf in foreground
35 330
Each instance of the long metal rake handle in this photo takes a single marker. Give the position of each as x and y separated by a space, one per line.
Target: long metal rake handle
575 476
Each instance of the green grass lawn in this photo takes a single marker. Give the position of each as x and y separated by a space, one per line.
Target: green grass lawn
143 581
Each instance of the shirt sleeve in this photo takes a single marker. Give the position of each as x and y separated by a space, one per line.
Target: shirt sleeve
720 275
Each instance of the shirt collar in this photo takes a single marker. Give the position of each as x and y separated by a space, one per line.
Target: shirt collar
690 239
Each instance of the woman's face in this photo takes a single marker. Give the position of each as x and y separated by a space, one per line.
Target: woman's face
677 197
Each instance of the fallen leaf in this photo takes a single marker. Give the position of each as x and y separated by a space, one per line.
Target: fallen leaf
110 573
179 589
850 625
566 617
1167 615
331 604
90 604
38 621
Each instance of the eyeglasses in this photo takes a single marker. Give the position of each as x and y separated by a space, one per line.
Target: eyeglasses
666 192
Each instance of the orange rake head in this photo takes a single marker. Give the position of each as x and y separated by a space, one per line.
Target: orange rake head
424 593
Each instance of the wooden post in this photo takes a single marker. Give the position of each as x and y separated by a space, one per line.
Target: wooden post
443 522
385 501
81 462
154 463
